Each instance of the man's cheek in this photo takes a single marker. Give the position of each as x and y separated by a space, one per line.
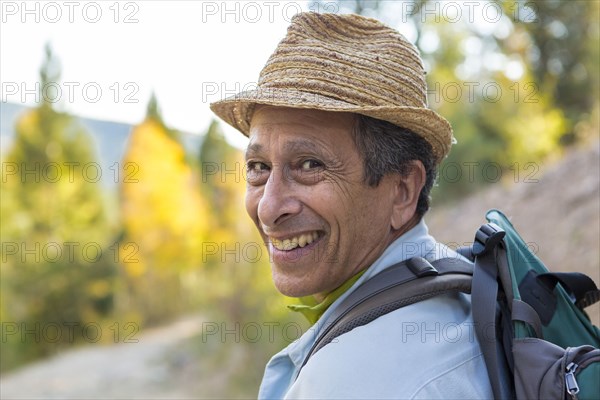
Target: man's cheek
251 202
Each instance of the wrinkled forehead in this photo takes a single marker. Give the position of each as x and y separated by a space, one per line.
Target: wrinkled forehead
294 129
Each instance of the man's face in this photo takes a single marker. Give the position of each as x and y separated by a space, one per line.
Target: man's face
308 198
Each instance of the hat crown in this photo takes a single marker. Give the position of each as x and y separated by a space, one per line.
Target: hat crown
344 63
349 58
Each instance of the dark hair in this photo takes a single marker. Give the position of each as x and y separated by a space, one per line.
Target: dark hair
387 148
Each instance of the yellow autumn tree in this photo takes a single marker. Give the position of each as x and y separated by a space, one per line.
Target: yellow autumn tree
165 221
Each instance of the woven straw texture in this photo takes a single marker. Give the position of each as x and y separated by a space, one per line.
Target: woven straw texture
344 63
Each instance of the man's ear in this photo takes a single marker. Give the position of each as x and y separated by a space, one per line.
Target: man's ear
407 191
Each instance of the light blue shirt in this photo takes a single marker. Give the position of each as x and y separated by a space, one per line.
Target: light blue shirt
423 351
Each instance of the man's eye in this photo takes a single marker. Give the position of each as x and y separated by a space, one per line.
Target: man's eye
256 173
310 164
255 166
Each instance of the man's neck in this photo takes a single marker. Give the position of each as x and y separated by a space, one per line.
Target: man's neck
396 233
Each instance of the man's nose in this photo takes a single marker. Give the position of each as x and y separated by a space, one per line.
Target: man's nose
278 202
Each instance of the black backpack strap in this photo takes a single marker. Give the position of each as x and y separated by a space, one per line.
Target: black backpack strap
581 287
405 283
484 305
491 266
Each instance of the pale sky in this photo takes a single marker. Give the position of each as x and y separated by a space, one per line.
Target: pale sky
113 54
190 53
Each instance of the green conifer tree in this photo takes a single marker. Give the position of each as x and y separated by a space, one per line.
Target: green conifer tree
57 272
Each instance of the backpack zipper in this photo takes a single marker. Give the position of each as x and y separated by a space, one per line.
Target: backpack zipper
570 380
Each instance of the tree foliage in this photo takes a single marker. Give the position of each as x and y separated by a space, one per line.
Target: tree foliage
164 219
56 270
517 84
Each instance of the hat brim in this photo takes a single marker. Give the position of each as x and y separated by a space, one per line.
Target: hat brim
237 111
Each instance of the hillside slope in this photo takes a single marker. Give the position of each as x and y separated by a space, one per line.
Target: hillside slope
559 215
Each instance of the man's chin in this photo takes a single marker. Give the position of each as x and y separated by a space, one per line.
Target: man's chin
290 288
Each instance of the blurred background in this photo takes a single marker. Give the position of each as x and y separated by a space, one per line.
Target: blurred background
129 267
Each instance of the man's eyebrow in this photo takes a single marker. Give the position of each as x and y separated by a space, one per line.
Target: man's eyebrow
253 149
300 145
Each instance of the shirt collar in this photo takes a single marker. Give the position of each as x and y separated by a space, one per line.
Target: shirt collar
312 310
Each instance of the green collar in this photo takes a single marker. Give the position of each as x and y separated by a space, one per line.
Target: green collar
312 310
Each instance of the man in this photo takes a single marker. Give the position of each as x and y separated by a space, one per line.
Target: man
342 155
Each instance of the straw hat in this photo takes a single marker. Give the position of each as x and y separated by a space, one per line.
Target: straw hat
344 63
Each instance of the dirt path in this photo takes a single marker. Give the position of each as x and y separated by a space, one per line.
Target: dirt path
148 369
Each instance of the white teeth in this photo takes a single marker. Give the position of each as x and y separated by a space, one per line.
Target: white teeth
292 243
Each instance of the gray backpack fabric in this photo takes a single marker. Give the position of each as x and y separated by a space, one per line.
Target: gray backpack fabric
537 341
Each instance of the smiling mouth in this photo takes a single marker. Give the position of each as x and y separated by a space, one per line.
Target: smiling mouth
294 242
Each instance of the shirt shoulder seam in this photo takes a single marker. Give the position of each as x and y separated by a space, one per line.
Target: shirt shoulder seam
438 376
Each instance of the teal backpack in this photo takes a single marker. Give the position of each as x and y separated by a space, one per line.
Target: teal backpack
536 340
